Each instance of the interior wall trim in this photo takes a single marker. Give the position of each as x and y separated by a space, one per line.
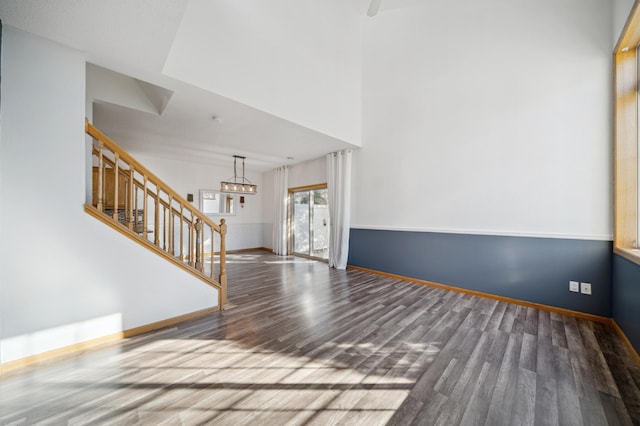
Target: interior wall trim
60 353
626 341
308 187
237 251
562 311
593 237
248 249
576 314
99 342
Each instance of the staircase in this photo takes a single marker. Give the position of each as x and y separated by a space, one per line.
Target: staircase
133 201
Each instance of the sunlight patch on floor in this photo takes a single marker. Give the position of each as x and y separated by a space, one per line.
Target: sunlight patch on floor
227 383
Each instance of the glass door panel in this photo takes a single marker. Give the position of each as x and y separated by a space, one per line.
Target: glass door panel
310 223
320 224
300 222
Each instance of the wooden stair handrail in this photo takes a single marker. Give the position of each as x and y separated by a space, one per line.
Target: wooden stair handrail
194 226
136 182
98 135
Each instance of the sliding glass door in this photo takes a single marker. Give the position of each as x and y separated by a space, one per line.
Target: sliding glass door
309 219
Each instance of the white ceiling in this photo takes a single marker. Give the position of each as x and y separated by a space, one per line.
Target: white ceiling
134 38
187 131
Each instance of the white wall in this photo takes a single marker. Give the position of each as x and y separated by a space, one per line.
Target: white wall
296 59
245 229
109 86
491 117
308 173
64 276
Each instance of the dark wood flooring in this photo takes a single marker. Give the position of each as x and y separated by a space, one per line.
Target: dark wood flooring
310 345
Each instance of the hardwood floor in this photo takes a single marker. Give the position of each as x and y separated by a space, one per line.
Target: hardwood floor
310 345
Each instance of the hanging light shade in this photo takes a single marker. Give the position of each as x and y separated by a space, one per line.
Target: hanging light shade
238 184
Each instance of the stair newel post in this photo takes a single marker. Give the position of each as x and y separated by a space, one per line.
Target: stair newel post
116 172
223 263
198 229
100 191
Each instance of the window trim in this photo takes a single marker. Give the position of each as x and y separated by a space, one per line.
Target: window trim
626 165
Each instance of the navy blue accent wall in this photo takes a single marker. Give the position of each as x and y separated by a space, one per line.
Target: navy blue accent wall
626 298
532 269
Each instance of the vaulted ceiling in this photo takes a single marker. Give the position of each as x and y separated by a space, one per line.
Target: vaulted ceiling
145 42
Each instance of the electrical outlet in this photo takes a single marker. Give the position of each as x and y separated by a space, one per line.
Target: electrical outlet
585 288
574 286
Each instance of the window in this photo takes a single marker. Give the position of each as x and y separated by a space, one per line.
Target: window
216 203
309 221
627 161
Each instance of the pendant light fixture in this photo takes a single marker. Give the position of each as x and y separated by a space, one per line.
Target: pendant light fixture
238 184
